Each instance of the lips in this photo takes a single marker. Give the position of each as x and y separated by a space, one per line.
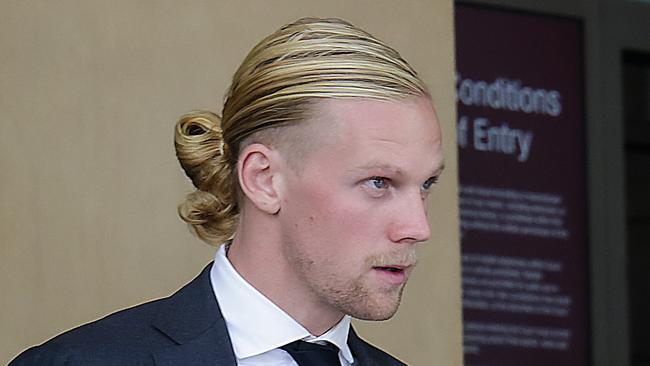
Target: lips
393 274
390 268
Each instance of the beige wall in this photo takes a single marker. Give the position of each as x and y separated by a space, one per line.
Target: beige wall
89 93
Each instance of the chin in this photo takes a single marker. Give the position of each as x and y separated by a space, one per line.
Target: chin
375 314
375 309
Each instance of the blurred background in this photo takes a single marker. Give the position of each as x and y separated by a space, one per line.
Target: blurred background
555 246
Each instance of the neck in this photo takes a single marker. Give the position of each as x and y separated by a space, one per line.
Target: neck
256 254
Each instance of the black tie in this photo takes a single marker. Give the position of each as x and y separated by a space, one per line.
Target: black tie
312 354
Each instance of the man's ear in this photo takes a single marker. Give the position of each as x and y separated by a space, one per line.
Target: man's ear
256 170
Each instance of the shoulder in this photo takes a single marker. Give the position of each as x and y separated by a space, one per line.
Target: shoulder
367 354
107 341
131 336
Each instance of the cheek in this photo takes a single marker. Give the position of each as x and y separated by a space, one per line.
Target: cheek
319 202
339 215
334 220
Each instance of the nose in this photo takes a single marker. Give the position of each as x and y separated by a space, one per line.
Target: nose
409 221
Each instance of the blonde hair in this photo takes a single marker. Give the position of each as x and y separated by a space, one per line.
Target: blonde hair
274 88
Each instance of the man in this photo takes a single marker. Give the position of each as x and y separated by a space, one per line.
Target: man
315 179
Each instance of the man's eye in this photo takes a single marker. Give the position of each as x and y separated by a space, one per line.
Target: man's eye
378 183
428 183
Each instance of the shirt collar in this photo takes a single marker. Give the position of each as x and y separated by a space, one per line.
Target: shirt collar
255 324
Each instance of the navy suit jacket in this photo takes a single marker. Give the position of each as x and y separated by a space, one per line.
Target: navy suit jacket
186 328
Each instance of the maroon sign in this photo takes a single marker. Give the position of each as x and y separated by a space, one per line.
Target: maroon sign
522 188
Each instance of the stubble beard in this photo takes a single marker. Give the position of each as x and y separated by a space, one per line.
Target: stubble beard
355 297
359 302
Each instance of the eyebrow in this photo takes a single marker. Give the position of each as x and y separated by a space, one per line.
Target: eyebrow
393 169
379 166
438 171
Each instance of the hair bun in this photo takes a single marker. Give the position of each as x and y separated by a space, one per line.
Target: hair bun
198 140
208 217
212 210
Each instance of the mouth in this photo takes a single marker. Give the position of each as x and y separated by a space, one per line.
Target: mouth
393 274
393 269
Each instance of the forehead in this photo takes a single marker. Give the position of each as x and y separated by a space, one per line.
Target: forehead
412 113
366 132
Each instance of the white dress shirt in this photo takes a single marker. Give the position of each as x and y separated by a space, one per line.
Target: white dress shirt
257 327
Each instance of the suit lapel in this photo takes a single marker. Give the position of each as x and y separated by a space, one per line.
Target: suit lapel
359 351
192 319
208 349
366 354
